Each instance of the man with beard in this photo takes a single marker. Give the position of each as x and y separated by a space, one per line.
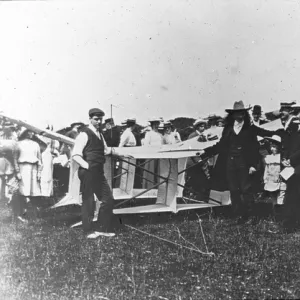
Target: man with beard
238 159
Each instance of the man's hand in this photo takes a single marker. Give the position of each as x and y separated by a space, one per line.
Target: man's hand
200 153
38 176
86 166
252 170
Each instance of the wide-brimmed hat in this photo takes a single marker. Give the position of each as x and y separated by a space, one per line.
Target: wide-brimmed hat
154 119
199 121
131 121
288 105
75 124
274 139
297 106
238 106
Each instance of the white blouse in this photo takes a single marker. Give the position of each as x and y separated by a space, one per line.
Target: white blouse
153 138
127 139
29 152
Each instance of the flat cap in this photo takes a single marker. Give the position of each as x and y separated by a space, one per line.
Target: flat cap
96 112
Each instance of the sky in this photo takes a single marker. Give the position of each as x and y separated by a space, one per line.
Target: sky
154 58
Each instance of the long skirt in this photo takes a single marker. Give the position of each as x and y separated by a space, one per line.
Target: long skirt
47 174
29 185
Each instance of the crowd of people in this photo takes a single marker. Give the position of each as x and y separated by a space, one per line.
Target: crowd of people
247 160
26 167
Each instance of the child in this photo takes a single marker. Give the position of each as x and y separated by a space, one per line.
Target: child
272 170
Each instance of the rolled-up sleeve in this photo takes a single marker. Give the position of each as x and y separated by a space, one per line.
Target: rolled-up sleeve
80 142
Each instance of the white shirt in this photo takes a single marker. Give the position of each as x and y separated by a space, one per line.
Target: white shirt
171 138
82 139
256 123
30 152
153 138
237 127
127 139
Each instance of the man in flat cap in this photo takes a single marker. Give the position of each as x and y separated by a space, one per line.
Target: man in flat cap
89 152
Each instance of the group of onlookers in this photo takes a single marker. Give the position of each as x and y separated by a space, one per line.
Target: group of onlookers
246 160
26 167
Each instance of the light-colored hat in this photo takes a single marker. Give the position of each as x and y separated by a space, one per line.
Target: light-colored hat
274 138
199 121
167 124
154 119
238 106
296 105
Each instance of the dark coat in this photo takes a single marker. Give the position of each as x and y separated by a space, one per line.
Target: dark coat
112 137
291 144
250 150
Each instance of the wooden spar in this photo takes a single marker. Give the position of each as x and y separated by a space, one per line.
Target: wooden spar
47 133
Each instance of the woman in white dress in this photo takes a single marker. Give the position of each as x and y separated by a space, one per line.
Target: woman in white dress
30 164
170 137
152 139
47 170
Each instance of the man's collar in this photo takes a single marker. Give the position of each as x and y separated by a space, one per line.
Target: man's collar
288 122
93 129
236 123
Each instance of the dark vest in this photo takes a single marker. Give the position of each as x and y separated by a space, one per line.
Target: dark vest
235 143
93 152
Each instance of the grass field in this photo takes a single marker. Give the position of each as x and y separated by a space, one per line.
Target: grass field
45 259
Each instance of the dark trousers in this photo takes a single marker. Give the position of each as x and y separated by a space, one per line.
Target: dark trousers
93 182
239 183
291 208
18 204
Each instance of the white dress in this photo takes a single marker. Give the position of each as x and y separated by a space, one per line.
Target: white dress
47 173
272 173
30 163
153 138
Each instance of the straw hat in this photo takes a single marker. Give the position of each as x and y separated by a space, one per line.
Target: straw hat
154 119
275 139
199 121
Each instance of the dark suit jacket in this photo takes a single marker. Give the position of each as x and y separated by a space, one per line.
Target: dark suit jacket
112 137
250 150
